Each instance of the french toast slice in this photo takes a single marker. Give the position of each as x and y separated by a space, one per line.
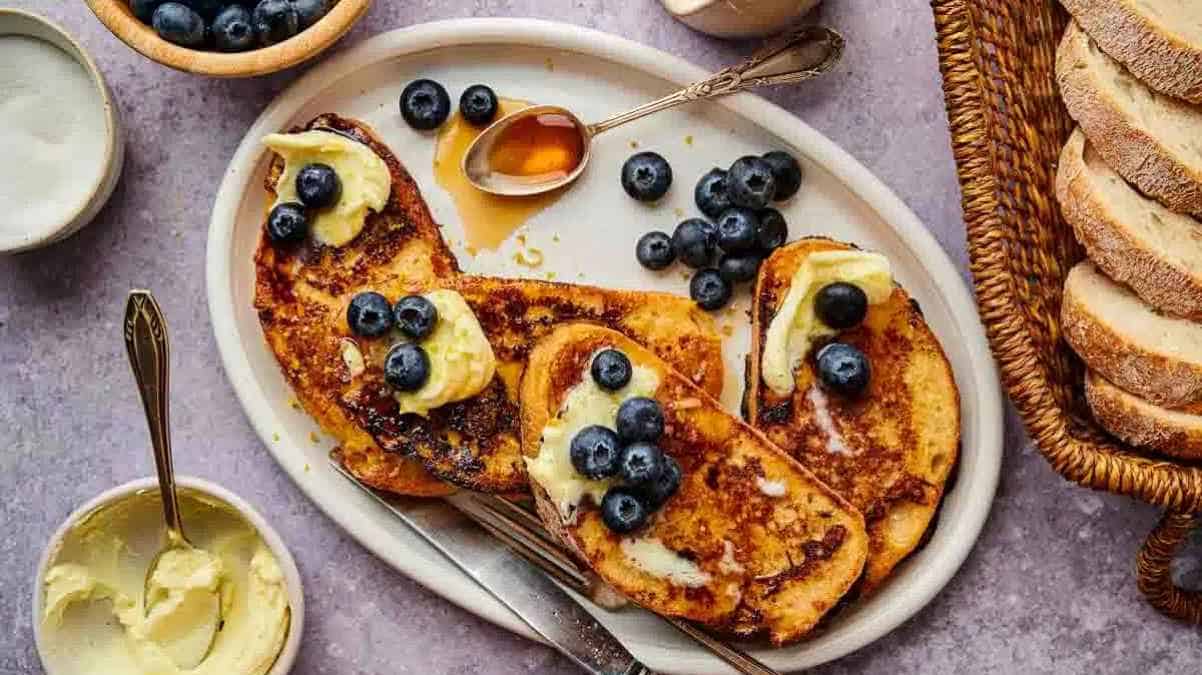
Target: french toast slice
474 443
301 296
756 544
889 451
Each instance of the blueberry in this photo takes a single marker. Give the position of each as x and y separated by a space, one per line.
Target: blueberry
844 369
311 11
841 305
773 231
623 511
415 316
646 176
640 419
737 230
739 267
641 464
425 104
595 451
287 222
144 9
654 250
179 24
275 21
656 493
318 186
369 314
750 182
611 370
709 290
233 30
711 195
478 104
694 241
787 173
407 367
207 9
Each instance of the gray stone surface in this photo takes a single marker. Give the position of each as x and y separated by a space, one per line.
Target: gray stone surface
1048 589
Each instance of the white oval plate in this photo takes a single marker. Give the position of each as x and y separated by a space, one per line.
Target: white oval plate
589 235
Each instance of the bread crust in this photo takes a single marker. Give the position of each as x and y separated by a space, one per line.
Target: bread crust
1158 378
1135 153
1165 62
1116 248
1177 433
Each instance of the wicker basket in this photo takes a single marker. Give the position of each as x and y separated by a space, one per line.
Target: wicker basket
1008 126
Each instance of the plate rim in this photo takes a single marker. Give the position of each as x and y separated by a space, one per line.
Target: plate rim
543 34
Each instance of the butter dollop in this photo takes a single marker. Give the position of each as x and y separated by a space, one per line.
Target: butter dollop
796 324
94 618
366 181
651 556
462 362
585 404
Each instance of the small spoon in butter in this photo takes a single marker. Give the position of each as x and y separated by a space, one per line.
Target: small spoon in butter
187 642
508 159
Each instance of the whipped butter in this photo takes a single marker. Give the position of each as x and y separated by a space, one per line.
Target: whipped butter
462 362
586 404
95 620
365 178
651 556
796 324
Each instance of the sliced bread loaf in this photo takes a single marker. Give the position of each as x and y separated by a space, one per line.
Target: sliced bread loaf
1159 41
1135 240
1155 357
1153 141
1134 420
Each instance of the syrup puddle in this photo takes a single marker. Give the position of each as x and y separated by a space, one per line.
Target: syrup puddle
488 220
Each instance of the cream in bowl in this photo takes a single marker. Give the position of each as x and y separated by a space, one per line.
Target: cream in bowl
90 613
59 130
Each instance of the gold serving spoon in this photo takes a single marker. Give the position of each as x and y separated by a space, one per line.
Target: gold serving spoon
802 55
146 343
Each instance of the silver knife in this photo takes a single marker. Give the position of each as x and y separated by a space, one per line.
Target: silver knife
524 589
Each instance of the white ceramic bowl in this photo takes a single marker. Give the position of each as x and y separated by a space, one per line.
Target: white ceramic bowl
739 18
271 538
18 22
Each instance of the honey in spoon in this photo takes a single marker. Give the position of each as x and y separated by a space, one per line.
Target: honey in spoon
488 220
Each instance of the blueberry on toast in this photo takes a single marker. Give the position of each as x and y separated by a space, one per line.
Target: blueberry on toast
742 539
888 449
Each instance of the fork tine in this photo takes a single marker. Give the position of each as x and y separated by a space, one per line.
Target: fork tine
520 547
535 532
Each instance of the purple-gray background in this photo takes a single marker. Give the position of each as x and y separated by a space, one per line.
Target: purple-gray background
1049 587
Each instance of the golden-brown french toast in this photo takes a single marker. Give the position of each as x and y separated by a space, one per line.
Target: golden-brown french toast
890 450
302 293
474 443
750 543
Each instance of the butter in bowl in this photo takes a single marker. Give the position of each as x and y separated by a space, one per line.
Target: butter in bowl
90 615
739 18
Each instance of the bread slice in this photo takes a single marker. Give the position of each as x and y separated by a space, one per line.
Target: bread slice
1172 432
1135 240
769 548
1153 141
1159 41
1156 357
890 451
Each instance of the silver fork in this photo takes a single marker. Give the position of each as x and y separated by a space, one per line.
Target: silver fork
523 532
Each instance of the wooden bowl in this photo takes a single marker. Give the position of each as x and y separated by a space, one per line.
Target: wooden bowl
117 16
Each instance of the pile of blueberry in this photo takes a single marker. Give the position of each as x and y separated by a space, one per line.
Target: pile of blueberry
648 476
229 25
842 367
425 104
370 315
745 229
317 187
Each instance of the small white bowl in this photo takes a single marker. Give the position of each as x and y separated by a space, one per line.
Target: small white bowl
739 18
18 22
296 596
